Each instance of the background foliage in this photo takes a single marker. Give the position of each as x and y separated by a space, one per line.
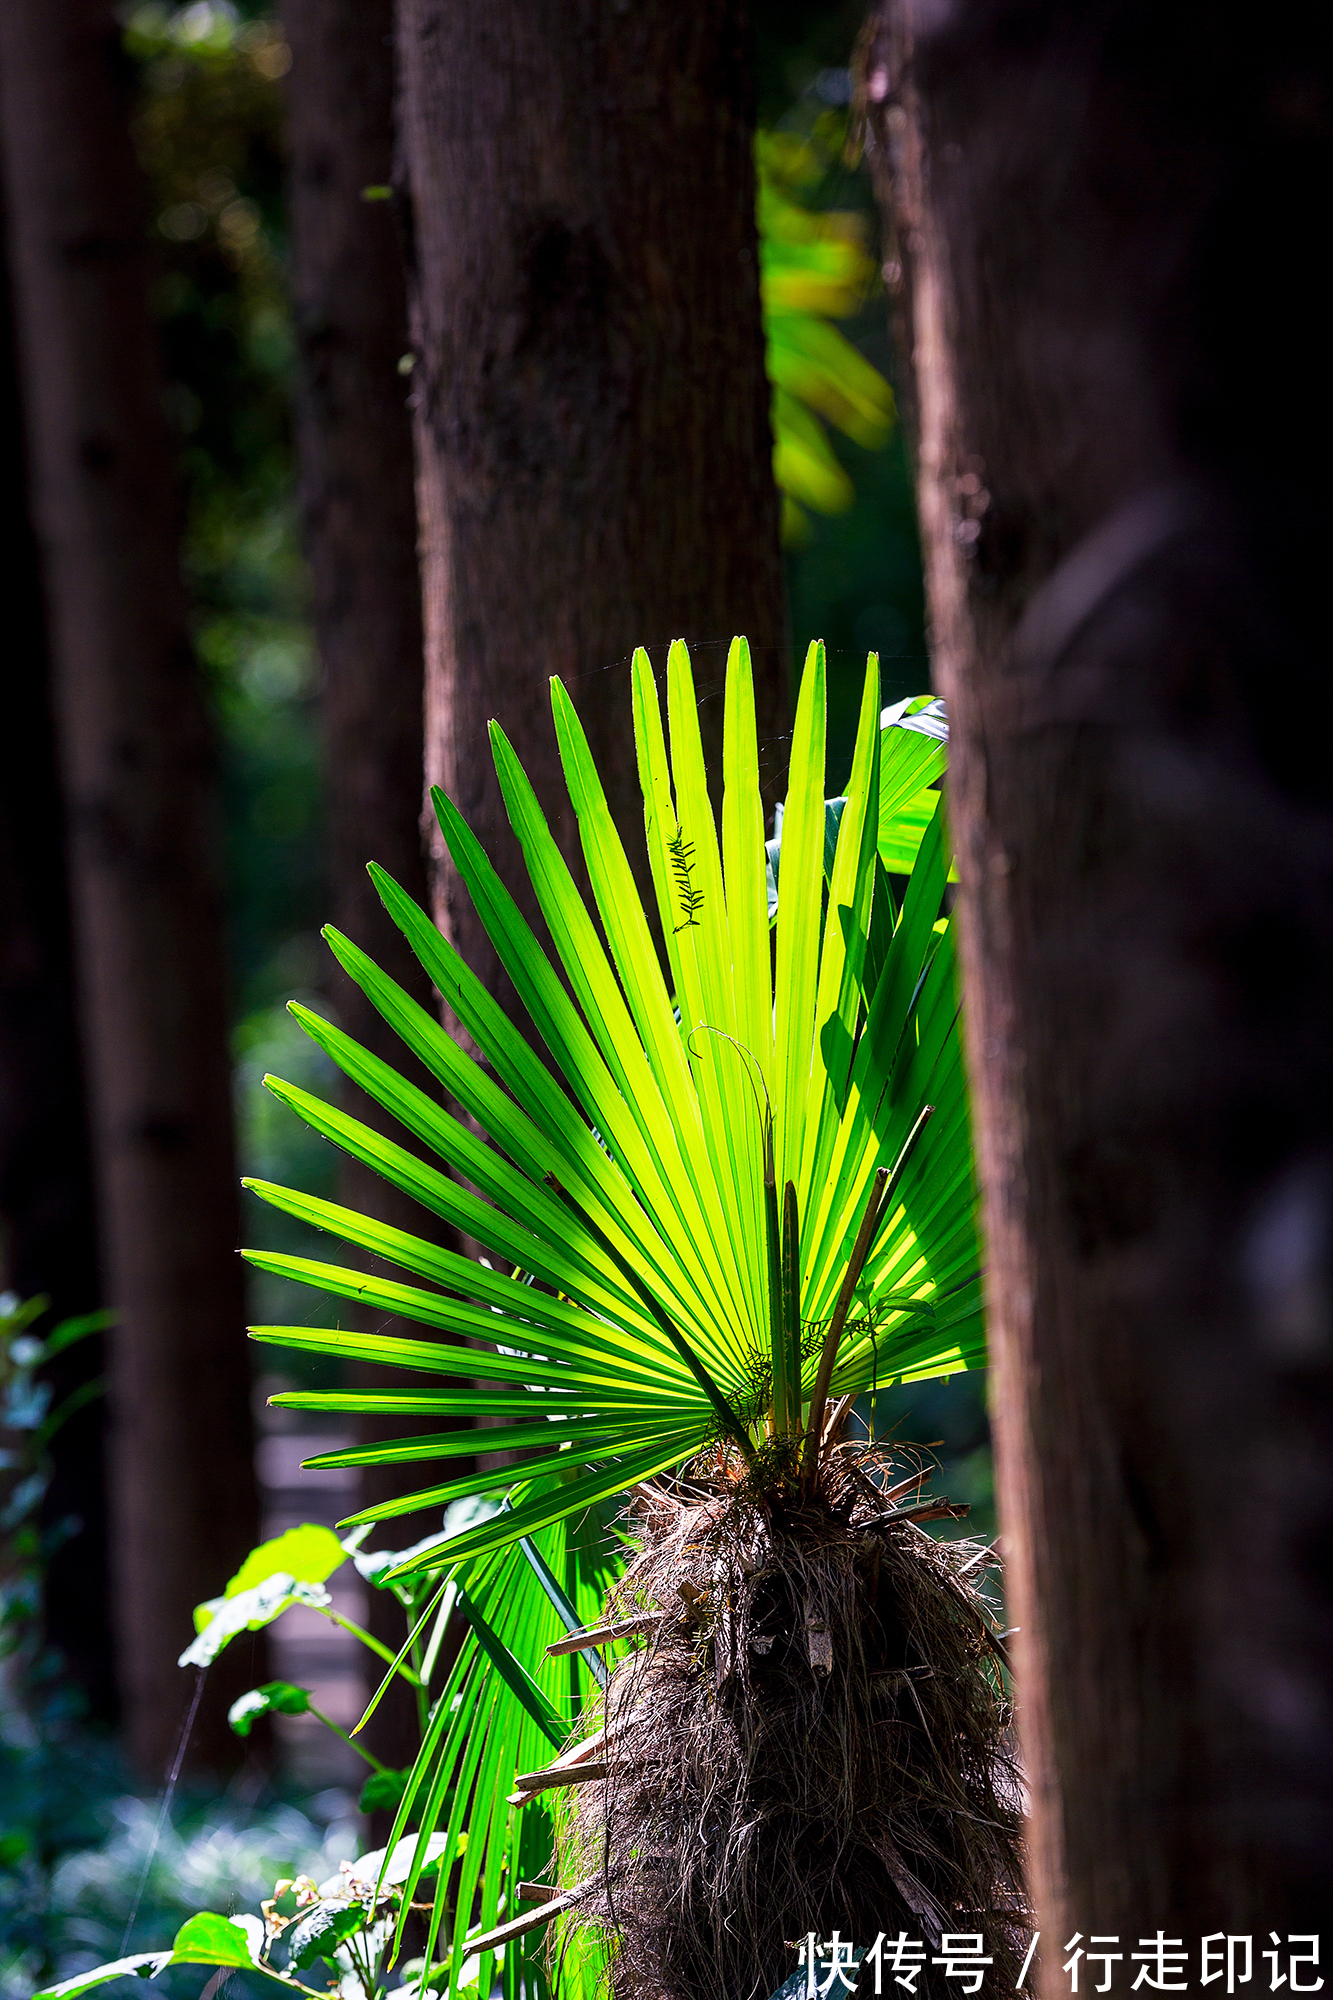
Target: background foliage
209 136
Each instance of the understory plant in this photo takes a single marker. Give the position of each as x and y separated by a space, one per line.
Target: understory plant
30 1419
106 1874
713 1686
329 1921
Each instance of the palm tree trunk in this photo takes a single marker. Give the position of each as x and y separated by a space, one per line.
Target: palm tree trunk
1126 588
137 772
593 452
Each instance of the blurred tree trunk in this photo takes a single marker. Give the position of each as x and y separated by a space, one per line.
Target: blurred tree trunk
137 771
1105 219
354 440
593 452
48 1237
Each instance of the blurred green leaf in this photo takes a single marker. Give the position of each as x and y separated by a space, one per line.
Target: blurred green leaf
815 267
274 1698
288 1570
78 1328
392 1866
140 1965
383 1791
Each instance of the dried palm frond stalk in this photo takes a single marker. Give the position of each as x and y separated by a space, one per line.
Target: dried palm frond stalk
816 1736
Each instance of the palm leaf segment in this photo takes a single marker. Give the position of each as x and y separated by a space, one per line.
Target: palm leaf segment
505 1708
676 1205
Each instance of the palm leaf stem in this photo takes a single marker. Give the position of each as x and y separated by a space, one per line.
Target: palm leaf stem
773 1232
881 1189
519 1926
557 1778
604 1635
560 1604
791 1305
865 1236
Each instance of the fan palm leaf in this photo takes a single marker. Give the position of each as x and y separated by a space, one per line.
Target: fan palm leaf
635 1191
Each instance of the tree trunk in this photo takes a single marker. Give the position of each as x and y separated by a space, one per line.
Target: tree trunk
137 772
48 1237
591 410
1104 218
354 440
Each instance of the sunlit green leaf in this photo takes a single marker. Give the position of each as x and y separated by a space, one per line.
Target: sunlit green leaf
323 1929
223 1618
309 1553
274 1698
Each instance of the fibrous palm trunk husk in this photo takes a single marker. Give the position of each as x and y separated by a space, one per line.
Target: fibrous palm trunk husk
816 1737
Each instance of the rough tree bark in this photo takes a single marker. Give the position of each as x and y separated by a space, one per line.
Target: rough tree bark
1104 218
48 1233
593 453
137 773
354 443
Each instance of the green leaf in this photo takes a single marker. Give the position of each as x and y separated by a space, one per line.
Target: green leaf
323 1929
70 1330
274 1698
561 1605
515 1675
798 928
913 753
383 1791
481 1734
212 1940
309 1553
202 1940
223 1618
546 1507
140 1965
651 1328
744 862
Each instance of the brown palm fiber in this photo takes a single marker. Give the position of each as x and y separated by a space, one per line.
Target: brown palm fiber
822 1741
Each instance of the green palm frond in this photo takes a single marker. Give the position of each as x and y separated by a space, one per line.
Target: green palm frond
643 1299
505 1708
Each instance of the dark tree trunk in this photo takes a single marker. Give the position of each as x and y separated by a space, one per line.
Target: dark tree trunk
1105 216
355 444
48 1240
354 438
137 773
593 452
